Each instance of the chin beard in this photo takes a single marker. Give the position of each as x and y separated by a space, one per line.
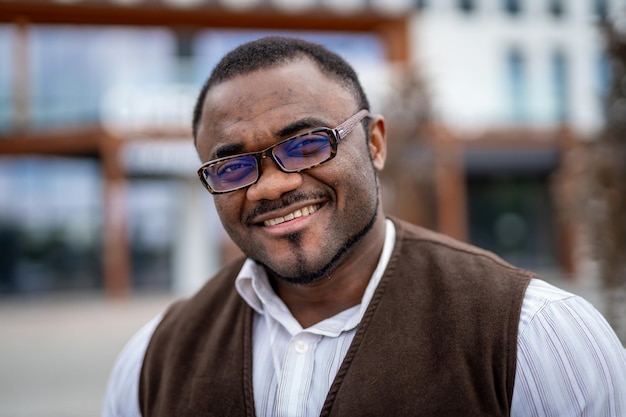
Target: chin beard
305 276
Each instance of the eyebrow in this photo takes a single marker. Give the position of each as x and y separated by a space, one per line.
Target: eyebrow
230 149
299 125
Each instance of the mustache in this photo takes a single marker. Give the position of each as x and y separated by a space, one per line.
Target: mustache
287 199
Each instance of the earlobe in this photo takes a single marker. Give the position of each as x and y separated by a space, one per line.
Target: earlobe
378 142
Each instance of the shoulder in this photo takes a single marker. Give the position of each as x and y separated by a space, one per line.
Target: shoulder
542 299
439 247
549 309
569 359
442 260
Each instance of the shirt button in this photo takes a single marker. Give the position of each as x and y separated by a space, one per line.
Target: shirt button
301 347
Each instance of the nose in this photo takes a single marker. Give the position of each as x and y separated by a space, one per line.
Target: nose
273 182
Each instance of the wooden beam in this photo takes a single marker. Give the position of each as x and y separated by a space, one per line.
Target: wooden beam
116 253
393 30
523 138
212 15
77 141
395 35
450 184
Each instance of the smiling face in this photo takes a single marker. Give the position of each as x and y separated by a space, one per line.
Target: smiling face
301 226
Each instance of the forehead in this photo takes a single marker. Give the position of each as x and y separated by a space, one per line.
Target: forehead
256 105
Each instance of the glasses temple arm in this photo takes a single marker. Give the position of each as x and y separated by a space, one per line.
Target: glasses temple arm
347 126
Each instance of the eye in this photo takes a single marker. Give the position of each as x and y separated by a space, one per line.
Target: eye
305 146
233 170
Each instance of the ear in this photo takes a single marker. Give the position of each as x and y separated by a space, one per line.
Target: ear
378 142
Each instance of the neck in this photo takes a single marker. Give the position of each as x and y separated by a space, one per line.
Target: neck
342 289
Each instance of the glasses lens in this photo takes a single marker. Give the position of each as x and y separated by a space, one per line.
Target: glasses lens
231 173
304 151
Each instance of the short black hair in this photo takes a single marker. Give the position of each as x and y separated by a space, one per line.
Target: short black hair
272 51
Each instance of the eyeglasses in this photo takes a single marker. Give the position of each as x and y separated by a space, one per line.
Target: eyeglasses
300 152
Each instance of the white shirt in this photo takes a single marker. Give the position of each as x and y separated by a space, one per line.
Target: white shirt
569 360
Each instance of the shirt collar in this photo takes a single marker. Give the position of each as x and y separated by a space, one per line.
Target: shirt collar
254 287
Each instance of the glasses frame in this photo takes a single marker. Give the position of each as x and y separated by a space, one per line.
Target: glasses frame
335 136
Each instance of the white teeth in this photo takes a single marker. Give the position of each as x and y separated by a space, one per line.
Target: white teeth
298 213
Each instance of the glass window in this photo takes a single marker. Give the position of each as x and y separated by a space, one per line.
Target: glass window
153 205
601 8
556 8
513 217
560 82
101 59
466 6
512 7
6 75
421 4
516 68
603 79
50 228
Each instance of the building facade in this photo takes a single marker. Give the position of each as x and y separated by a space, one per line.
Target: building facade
511 84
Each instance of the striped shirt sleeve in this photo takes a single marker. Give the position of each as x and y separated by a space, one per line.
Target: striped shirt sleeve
569 361
122 394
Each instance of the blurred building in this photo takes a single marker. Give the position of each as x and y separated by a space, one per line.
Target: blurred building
517 84
97 170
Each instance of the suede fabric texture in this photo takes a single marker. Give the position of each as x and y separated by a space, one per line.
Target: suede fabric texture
439 338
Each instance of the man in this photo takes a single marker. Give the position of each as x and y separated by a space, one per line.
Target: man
337 309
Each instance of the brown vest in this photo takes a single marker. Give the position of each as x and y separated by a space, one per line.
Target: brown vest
439 338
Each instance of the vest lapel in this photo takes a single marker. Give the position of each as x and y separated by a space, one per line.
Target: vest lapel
364 324
247 364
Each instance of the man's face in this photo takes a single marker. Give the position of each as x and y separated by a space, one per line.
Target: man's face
332 205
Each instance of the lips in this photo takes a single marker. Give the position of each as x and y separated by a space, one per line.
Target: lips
303 212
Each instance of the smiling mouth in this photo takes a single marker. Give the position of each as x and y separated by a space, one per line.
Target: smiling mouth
303 212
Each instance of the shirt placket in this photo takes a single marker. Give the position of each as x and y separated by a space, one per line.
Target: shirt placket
294 385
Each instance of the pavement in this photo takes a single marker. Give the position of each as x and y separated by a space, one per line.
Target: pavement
56 352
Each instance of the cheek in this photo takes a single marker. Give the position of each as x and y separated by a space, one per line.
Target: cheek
355 180
359 166
228 209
